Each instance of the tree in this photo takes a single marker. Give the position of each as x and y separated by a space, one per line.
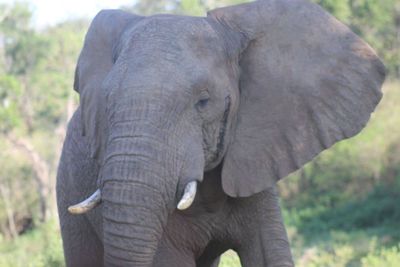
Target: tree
36 98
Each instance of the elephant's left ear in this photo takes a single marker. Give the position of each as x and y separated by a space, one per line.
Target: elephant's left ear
307 81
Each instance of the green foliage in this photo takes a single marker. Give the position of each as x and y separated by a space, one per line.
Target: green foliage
10 90
38 248
389 257
36 97
229 259
40 65
378 210
24 48
352 253
340 8
338 256
192 7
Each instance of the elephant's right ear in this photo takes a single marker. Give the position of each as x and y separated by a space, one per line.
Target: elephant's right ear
95 61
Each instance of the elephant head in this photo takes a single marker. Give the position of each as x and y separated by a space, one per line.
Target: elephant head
259 88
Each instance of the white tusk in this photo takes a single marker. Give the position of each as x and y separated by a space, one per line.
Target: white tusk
87 204
188 196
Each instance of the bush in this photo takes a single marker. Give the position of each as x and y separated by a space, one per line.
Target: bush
389 257
40 247
339 256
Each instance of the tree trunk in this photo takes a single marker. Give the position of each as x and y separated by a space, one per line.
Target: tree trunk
41 169
5 195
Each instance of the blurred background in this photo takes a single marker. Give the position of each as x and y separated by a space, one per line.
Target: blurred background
342 209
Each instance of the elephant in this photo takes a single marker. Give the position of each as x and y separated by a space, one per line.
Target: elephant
185 125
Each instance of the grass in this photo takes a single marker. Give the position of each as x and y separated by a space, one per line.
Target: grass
41 247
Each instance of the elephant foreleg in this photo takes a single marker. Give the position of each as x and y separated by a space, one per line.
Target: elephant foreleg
82 247
266 243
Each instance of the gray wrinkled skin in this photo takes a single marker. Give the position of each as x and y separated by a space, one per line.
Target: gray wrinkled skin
236 101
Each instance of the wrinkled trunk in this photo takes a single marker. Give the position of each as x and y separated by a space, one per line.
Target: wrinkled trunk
133 219
137 191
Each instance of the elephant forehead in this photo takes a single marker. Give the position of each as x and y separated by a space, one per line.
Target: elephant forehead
172 51
189 36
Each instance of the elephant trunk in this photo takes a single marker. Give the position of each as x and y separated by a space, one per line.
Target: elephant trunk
138 192
132 224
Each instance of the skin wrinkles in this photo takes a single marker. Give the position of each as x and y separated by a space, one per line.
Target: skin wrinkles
138 42
177 99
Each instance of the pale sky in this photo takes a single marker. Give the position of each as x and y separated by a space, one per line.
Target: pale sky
48 12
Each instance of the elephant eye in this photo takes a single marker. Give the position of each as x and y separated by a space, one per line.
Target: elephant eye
203 101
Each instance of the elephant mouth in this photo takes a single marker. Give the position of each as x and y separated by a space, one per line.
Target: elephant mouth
215 155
